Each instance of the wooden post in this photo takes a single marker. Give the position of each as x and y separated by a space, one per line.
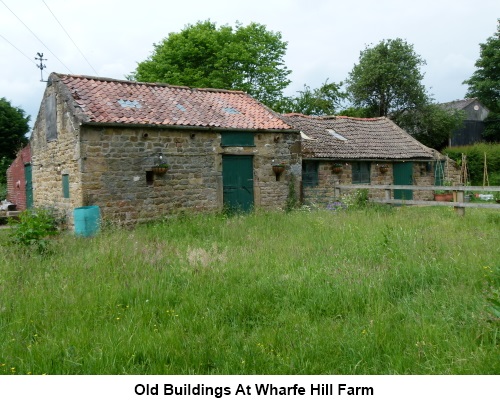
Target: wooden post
458 196
387 194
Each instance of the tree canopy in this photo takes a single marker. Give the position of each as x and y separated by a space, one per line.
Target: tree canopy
247 58
13 126
387 79
485 83
432 125
325 100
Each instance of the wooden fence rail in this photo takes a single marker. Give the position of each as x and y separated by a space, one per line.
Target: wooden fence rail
458 203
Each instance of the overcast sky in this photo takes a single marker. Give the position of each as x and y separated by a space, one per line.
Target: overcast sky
324 37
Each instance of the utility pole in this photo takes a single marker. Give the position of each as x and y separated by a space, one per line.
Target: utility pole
41 66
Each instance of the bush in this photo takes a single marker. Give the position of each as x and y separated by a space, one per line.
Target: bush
3 191
32 229
475 161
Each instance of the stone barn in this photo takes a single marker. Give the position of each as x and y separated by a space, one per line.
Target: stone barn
346 150
141 151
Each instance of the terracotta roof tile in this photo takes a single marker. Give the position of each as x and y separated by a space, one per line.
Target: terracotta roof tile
365 138
116 101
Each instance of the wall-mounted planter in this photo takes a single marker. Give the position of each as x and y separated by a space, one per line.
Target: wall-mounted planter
337 168
159 170
383 169
443 197
278 169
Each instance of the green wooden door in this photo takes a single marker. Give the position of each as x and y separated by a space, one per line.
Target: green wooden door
237 180
28 178
403 175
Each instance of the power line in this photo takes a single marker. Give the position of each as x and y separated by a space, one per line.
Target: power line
62 63
21 52
76 46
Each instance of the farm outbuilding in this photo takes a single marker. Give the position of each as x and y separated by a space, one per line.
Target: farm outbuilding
19 184
346 150
473 127
104 142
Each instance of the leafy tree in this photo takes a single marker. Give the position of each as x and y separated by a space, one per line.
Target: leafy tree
248 58
485 83
13 127
321 101
432 125
387 79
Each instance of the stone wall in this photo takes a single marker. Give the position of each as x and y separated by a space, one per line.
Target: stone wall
117 162
324 193
55 157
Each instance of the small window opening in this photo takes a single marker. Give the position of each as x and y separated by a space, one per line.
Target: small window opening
65 185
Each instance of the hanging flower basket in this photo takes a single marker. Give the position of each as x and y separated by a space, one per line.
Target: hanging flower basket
160 170
337 168
278 169
383 168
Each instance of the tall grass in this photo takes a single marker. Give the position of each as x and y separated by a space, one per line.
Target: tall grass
400 291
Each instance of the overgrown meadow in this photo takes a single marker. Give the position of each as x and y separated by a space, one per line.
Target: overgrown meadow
373 291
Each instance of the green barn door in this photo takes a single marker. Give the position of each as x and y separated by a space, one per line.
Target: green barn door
29 186
403 176
237 182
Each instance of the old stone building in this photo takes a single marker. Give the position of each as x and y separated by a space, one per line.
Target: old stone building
99 142
346 150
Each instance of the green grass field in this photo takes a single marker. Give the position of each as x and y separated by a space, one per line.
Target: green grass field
374 291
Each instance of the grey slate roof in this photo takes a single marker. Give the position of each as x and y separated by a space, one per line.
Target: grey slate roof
458 104
366 138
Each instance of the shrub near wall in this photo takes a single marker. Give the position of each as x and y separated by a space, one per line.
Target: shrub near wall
475 161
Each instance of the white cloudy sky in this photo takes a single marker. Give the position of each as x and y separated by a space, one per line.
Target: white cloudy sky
324 36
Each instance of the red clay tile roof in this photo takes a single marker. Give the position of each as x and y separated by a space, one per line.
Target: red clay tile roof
365 138
117 101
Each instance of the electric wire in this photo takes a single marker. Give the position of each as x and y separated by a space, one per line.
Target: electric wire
53 54
71 39
21 52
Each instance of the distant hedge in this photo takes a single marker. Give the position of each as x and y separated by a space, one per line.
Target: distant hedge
475 161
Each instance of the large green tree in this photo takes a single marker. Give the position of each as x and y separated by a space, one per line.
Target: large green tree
387 81
13 126
485 83
248 58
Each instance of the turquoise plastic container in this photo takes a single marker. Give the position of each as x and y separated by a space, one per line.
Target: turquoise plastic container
87 220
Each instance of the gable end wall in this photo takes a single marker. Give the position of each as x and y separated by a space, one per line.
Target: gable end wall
54 158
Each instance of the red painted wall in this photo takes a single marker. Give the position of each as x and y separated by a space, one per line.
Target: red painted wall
16 183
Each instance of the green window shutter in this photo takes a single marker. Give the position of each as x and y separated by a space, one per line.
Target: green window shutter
361 172
309 173
237 139
65 185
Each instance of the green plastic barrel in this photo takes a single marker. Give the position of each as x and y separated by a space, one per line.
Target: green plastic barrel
87 220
